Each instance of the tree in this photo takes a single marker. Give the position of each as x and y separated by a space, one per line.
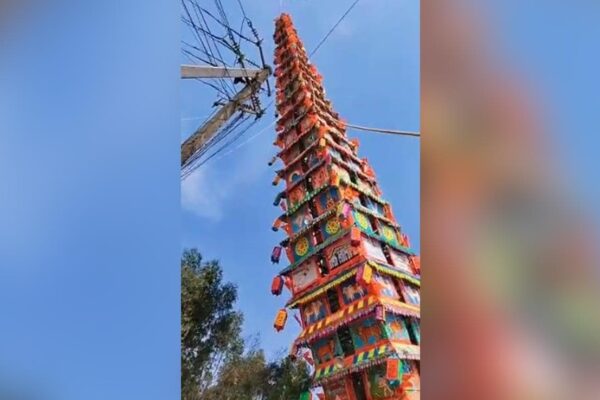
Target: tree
210 327
250 377
287 379
214 364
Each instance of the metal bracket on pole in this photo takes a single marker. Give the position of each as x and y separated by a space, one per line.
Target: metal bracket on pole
210 128
207 71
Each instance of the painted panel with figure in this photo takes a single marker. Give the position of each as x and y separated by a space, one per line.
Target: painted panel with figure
314 311
373 249
366 332
396 328
352 291
305 275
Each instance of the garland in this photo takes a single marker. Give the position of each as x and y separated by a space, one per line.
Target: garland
392 351
399 308
343 371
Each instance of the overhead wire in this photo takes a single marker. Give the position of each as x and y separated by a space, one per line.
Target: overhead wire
272 101
209 46
333 27
387 131
314 51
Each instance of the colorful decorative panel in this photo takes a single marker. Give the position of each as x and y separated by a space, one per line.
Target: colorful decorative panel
385 285
296 195
354 166
334 153
341 172
327 199
325 349
415 325
362 221
364 186
290 136
301 247
379 387
331 227
388 233
301 219
374 206
312 159
411 294
339 254
352 291
290 154
319 177
314 311
396 328
400 261
373 249
310 138
305 275
295 176
366 332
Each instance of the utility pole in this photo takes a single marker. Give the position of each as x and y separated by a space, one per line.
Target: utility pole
254 79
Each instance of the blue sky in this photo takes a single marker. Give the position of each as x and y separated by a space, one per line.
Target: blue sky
370 66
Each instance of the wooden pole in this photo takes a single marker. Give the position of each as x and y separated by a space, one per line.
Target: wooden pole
210 128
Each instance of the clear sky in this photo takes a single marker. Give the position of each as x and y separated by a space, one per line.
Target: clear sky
370 66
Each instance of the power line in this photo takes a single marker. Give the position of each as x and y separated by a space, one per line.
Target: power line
334 26
272 101
388 131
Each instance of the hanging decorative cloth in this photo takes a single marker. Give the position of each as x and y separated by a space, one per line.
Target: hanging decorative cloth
280 320
277 286
276 254
392 372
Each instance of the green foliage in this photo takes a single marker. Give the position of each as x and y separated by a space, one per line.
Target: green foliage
210 327
214 364
251 377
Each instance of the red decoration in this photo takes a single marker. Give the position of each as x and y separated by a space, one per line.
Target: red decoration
276 254
392 369
415 262
277 286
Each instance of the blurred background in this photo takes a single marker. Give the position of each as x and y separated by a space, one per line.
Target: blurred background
509 200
